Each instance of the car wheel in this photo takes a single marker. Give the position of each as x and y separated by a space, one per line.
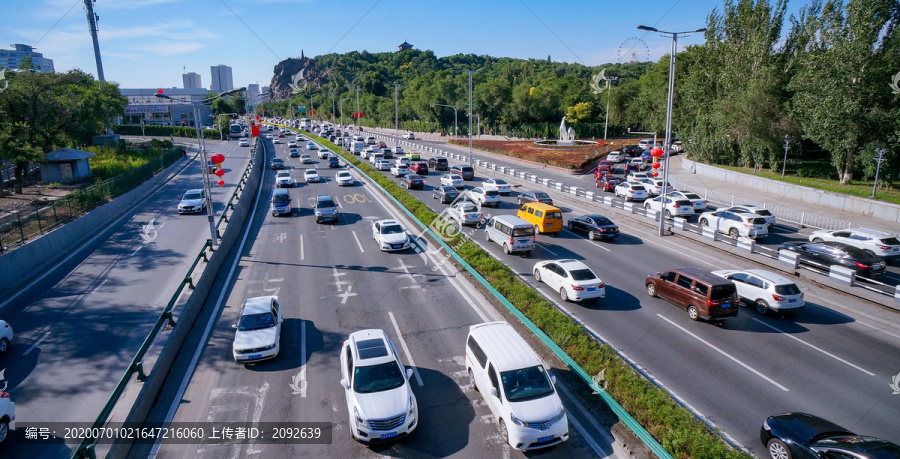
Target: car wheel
563 295
504 433
537 275
762 307
778 450
591 235
4 431
487 236
733 232
668 214
4 345
472 381
693 312
703 222
506 249
571 226
651 290
817 240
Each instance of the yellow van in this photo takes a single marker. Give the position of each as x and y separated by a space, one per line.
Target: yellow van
546 218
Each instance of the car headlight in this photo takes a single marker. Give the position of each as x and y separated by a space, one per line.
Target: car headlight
359 420
562 412
517 421
412 407
270 347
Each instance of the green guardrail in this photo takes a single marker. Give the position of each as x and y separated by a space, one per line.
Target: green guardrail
623 415
86 449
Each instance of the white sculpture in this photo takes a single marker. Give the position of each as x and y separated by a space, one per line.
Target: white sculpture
566 137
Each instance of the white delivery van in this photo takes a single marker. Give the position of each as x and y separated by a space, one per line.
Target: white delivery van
357 147
511 232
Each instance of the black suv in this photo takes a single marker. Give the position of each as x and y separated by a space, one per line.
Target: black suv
438 164
632 150
466 172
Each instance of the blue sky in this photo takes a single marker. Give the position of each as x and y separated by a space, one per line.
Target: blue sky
146 43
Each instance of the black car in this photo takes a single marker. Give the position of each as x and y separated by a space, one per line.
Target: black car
411 181
277 163
595 226
534 196
333 161
466 172
632 150
387 153
804 436
445 194
864 262
439 164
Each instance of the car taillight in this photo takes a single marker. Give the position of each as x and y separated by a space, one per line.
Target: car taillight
675 206
631 191
862 265
777 297
4 394
602 285
884 247
511 240
577 288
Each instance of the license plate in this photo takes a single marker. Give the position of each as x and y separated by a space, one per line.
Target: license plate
389 435
545 439
726 305
792 301
523 241
591 289
254 357
397 246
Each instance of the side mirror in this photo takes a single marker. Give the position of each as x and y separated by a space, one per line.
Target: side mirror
494 392
553 380
409 373
346 383
234 326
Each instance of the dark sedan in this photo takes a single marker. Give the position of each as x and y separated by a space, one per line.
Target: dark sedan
411 181
595 226
824 254
608 183
445 194
632 150
534 196
277 163
804 436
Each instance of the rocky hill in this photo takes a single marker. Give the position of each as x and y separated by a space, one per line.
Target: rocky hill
288 70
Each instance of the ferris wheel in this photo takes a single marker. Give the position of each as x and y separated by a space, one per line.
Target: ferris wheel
633 49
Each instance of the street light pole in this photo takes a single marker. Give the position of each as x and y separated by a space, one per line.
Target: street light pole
396 118
787 146
342 112
668 141
332 105
609 96
470 117
455 118
878 159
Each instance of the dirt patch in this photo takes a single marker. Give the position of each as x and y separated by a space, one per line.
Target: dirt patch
31 195
569 158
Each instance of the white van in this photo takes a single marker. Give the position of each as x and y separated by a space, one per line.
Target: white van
515 386
511 232
370 140
357 147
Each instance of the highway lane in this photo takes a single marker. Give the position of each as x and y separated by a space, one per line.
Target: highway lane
332 280
829 360
78 328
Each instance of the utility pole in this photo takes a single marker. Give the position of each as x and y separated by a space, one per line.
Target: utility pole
609 96
357 108
396 118
878 159
470 117
92 23
332 105
787 146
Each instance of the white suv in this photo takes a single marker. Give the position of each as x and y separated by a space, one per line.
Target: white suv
380 402
484 196
7 415
759 211
882 243
673 207
735 224
765 290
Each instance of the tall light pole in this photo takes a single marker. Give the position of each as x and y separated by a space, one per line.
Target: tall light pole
878 159
470 108
195 105
787 146
455 119
357 108
609 96
332 105
396 118
668 141
342 112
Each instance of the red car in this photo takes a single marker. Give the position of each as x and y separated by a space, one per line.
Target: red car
603 167
608 182
419 167
381 145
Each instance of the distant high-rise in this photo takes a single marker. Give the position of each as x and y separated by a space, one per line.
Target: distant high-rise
253 93
191 80
221 78
12 58
264 96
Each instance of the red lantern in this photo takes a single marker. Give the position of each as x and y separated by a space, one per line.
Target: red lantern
217 158
219 172
221 183
656 152
655 174
655 165
254 131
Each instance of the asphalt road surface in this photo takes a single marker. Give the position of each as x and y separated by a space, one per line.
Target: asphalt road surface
78 327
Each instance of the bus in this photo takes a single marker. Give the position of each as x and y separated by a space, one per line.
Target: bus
235 131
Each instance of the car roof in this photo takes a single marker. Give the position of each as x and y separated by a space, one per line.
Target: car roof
195 190
870 232
598 217
570 264
806 426
702 275
372 352
388 222
774 278
258 305
505 348
542 206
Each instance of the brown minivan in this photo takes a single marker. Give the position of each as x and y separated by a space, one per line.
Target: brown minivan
704 295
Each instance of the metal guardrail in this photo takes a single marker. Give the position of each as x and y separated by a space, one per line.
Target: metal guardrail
86 449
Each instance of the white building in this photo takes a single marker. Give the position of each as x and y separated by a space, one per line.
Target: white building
191 80
12 58
253 93
221 78
143 104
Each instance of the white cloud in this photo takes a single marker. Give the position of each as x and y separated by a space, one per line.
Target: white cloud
169 48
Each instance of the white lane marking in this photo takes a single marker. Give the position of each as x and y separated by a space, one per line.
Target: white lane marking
713 347
301 247
592 242
46 333
879 329
337 278
814 347
361 249
98 286
541 245
298 382
280 279
590 441
346 294
409 356
136 250
257 413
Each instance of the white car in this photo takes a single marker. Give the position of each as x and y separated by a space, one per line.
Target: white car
765 290
398 150
193 201
464 213
647 144
343 178
6 336
637 176
390 235
276 140
300 138
409 136
673 207
615 156
571 278
305 159
244 143
882 243
292 144
383 165
655 186
498 185
269 136
310 146
762 212
484 196
456 181
380 402
323 153
404 160
399 170
293 152
258 331
7 415
698 202
283 178
632 191
311 176
735 224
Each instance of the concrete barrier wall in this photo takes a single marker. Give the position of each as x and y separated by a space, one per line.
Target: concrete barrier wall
36 256
870 208
185 321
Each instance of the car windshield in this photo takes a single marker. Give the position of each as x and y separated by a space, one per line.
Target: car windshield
455 177
637 187
491 193
723 292
467 169
391 229
691 196
683 202
500 182
523 231
787 289
582 274
193 196
281 198
763 212
324 204
469 207
890 241
256 321
526 384
377 378
554 215
412 177
602 221
541 195
283 174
